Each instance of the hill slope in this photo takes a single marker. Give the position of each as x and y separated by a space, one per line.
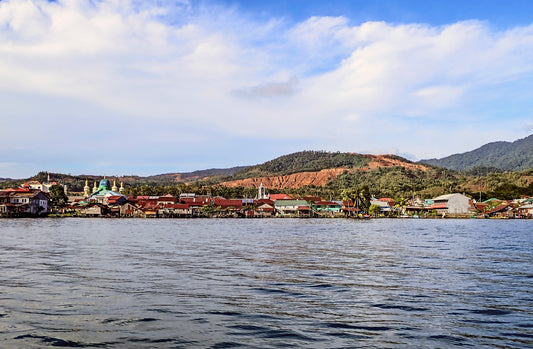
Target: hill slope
195 175
313 168
515 156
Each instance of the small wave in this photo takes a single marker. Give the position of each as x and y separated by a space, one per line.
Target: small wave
225 313
267 332
346 335
175 341
321 286
525 325
58 342
476 321
249 328
285 334
346 326
449 339
127 321
165 311
275 291
146 319
400 307
491 312
222 345
519 335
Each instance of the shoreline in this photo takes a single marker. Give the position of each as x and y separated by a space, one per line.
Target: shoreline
60 216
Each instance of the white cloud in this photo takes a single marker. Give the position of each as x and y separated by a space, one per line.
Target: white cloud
323 81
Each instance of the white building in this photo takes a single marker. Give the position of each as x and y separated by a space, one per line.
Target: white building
452 203
383 205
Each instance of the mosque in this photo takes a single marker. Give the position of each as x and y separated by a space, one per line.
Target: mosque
103 191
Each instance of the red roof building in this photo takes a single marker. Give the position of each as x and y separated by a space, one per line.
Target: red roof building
275 197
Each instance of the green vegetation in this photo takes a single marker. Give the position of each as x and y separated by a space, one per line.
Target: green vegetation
398 182
303 161
57 195
515 156
394 182
359 197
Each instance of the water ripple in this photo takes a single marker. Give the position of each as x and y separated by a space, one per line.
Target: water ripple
265 283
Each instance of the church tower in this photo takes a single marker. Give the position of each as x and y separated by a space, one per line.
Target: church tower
261 193
95 188
121 189
114 188
86 189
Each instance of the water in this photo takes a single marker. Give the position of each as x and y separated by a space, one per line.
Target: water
266 283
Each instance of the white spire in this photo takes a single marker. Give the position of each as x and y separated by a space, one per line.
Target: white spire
261 192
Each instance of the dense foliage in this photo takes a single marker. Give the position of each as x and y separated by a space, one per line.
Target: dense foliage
397 182
304 161
195 175
515 156
57 195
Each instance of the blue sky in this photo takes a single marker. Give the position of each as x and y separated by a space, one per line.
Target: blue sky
146 87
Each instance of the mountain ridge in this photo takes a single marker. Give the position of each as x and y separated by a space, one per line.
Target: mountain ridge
511 156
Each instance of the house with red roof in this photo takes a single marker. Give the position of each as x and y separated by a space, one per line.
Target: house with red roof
312 199
130 209
289 207
166 199
116 200
265 209
275 197
24 202
94 209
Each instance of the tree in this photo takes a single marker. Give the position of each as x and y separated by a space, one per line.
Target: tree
57 195
374 209
359 197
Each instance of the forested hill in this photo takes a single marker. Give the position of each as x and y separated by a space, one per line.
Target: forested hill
512 156
304 161
195 175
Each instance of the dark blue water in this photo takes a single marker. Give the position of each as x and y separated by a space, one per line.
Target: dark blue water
266 283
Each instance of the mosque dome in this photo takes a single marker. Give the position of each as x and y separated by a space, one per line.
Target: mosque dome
104 184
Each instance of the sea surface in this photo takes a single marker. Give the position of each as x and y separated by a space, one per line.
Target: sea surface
224 283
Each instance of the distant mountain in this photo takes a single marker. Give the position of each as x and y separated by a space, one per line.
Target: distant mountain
515 156
77 182
195 175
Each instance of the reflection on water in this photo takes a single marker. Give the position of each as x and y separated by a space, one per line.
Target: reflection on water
265 283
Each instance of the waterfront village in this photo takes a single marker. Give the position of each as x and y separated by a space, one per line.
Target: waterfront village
34 199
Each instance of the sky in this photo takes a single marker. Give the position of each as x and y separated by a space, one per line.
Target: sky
131 87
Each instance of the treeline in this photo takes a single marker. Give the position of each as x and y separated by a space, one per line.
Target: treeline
197 188
399 182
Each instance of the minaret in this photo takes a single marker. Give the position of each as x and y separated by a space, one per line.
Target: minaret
121 190
87 189
114 188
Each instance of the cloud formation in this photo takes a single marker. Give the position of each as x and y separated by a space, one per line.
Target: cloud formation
157 77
